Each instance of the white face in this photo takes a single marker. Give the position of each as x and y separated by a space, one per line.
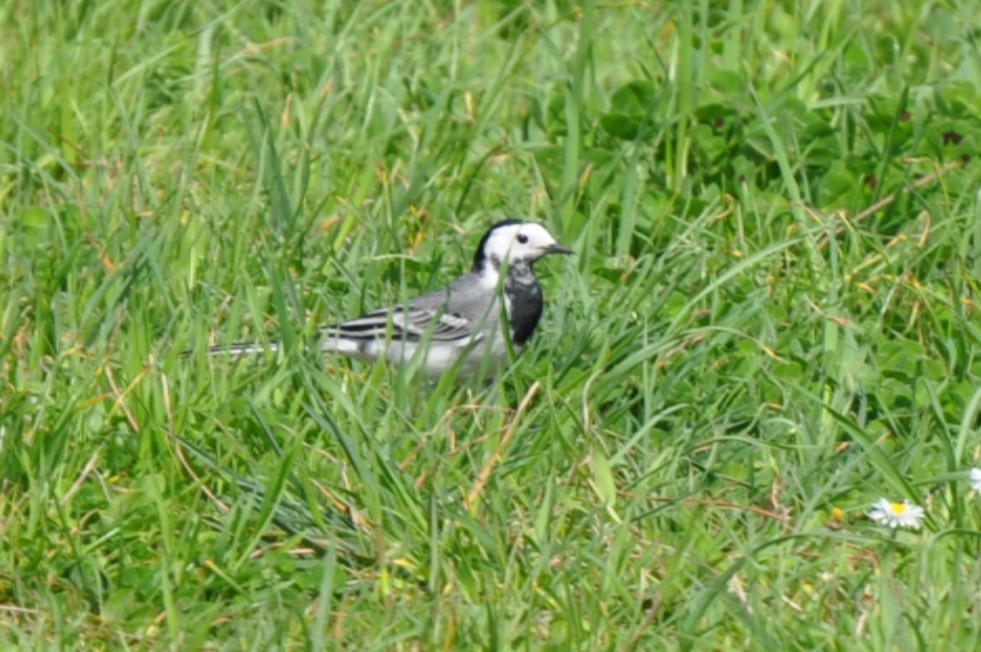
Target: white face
526 241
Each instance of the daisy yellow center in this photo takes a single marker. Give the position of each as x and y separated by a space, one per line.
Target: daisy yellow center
898 508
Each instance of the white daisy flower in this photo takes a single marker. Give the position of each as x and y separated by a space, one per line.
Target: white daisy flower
904 514
976 479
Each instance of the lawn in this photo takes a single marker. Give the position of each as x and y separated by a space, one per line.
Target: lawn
772 321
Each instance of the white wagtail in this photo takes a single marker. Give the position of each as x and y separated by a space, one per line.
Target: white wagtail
460 323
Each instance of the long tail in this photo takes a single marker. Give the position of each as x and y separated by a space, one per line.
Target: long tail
334 342
242 348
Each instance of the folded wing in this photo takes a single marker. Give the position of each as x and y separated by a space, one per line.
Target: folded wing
407 325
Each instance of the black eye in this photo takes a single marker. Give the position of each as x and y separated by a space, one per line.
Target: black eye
522 238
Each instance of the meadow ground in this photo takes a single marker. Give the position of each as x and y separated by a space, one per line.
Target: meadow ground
771 322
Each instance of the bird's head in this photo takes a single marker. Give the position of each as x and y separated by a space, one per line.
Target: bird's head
518 242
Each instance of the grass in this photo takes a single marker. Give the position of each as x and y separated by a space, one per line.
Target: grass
771 321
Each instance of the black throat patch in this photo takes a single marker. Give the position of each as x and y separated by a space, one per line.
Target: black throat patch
525 299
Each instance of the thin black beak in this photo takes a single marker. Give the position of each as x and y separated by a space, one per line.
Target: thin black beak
559 249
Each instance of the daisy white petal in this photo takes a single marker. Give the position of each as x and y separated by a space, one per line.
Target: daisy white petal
904 514
976 479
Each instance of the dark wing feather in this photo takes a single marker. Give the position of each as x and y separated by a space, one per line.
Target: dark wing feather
410 325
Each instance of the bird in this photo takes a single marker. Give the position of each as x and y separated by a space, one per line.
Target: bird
458 325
